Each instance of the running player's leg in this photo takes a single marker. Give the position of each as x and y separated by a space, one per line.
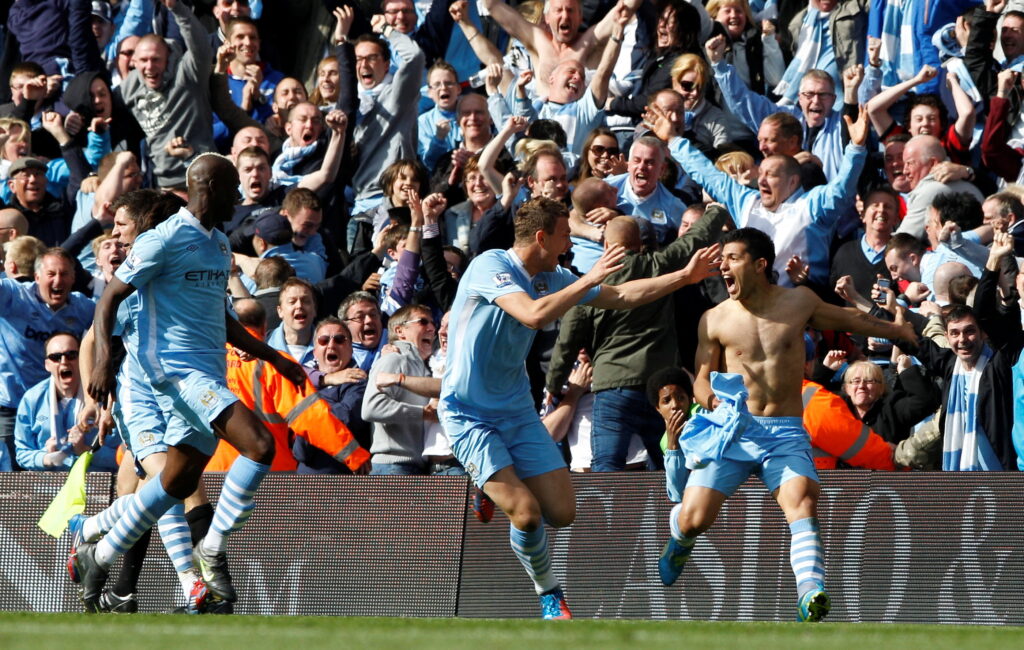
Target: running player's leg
788 472
707 488
243 430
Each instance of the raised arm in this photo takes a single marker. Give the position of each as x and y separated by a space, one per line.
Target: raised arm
513 23
848 319
489 155
966 116
620 15
482 46
240 337
878 107
538 313
337 122
703 264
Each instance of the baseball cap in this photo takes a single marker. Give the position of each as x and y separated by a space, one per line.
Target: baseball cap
26 162
273 228
101 10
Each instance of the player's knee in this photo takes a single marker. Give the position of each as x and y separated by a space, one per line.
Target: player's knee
261 449
695 520
525 515
563 517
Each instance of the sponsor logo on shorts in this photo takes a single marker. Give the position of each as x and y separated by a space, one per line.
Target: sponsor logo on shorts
208 398
502 280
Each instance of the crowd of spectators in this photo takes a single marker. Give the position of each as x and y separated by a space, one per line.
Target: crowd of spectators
381 145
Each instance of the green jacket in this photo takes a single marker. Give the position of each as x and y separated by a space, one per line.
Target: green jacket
627 346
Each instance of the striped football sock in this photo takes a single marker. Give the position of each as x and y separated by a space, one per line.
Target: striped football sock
806 555
236 502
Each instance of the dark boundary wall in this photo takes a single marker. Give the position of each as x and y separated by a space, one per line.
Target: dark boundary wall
921 547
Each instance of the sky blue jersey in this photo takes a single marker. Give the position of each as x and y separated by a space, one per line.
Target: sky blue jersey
487 348
25 324
180 270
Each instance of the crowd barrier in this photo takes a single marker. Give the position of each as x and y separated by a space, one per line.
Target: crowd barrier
921 547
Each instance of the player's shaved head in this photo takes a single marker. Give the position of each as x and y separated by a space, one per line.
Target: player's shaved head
212 181
624 231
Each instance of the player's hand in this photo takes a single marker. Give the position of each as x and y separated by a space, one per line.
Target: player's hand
290 370
609 262
705 263
102 380
834 360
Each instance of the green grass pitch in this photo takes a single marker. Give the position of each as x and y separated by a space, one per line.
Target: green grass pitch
149 632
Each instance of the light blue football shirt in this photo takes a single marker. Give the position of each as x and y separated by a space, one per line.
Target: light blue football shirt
487 348
180 270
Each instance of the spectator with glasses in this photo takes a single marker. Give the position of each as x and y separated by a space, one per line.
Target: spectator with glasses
601 157
400 415
362 316
892 411
45 436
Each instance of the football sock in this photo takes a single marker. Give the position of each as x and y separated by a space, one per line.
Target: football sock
176 537
131 567
150 502
199 520
806 555
104 520
677 534
532 550
235 503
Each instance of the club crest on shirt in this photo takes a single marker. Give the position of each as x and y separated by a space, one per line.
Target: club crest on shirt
502 280
224 249
658 217
540 287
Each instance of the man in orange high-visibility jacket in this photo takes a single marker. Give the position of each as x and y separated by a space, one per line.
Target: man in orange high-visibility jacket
837 434
284 409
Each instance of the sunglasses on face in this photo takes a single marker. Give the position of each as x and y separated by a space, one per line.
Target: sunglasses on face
419 321
324 339
689 86
55 357
600 150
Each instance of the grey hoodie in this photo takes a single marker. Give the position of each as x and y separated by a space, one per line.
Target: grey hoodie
181 107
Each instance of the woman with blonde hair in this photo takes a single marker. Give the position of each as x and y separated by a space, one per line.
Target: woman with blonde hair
691 78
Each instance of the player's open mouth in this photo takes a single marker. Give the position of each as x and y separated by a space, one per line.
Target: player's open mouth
730 283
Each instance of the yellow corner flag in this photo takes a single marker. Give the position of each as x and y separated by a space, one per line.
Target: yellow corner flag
70 500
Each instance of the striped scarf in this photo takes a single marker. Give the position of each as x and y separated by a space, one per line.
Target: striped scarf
812 37
288 160
897 53
964 445
952 56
